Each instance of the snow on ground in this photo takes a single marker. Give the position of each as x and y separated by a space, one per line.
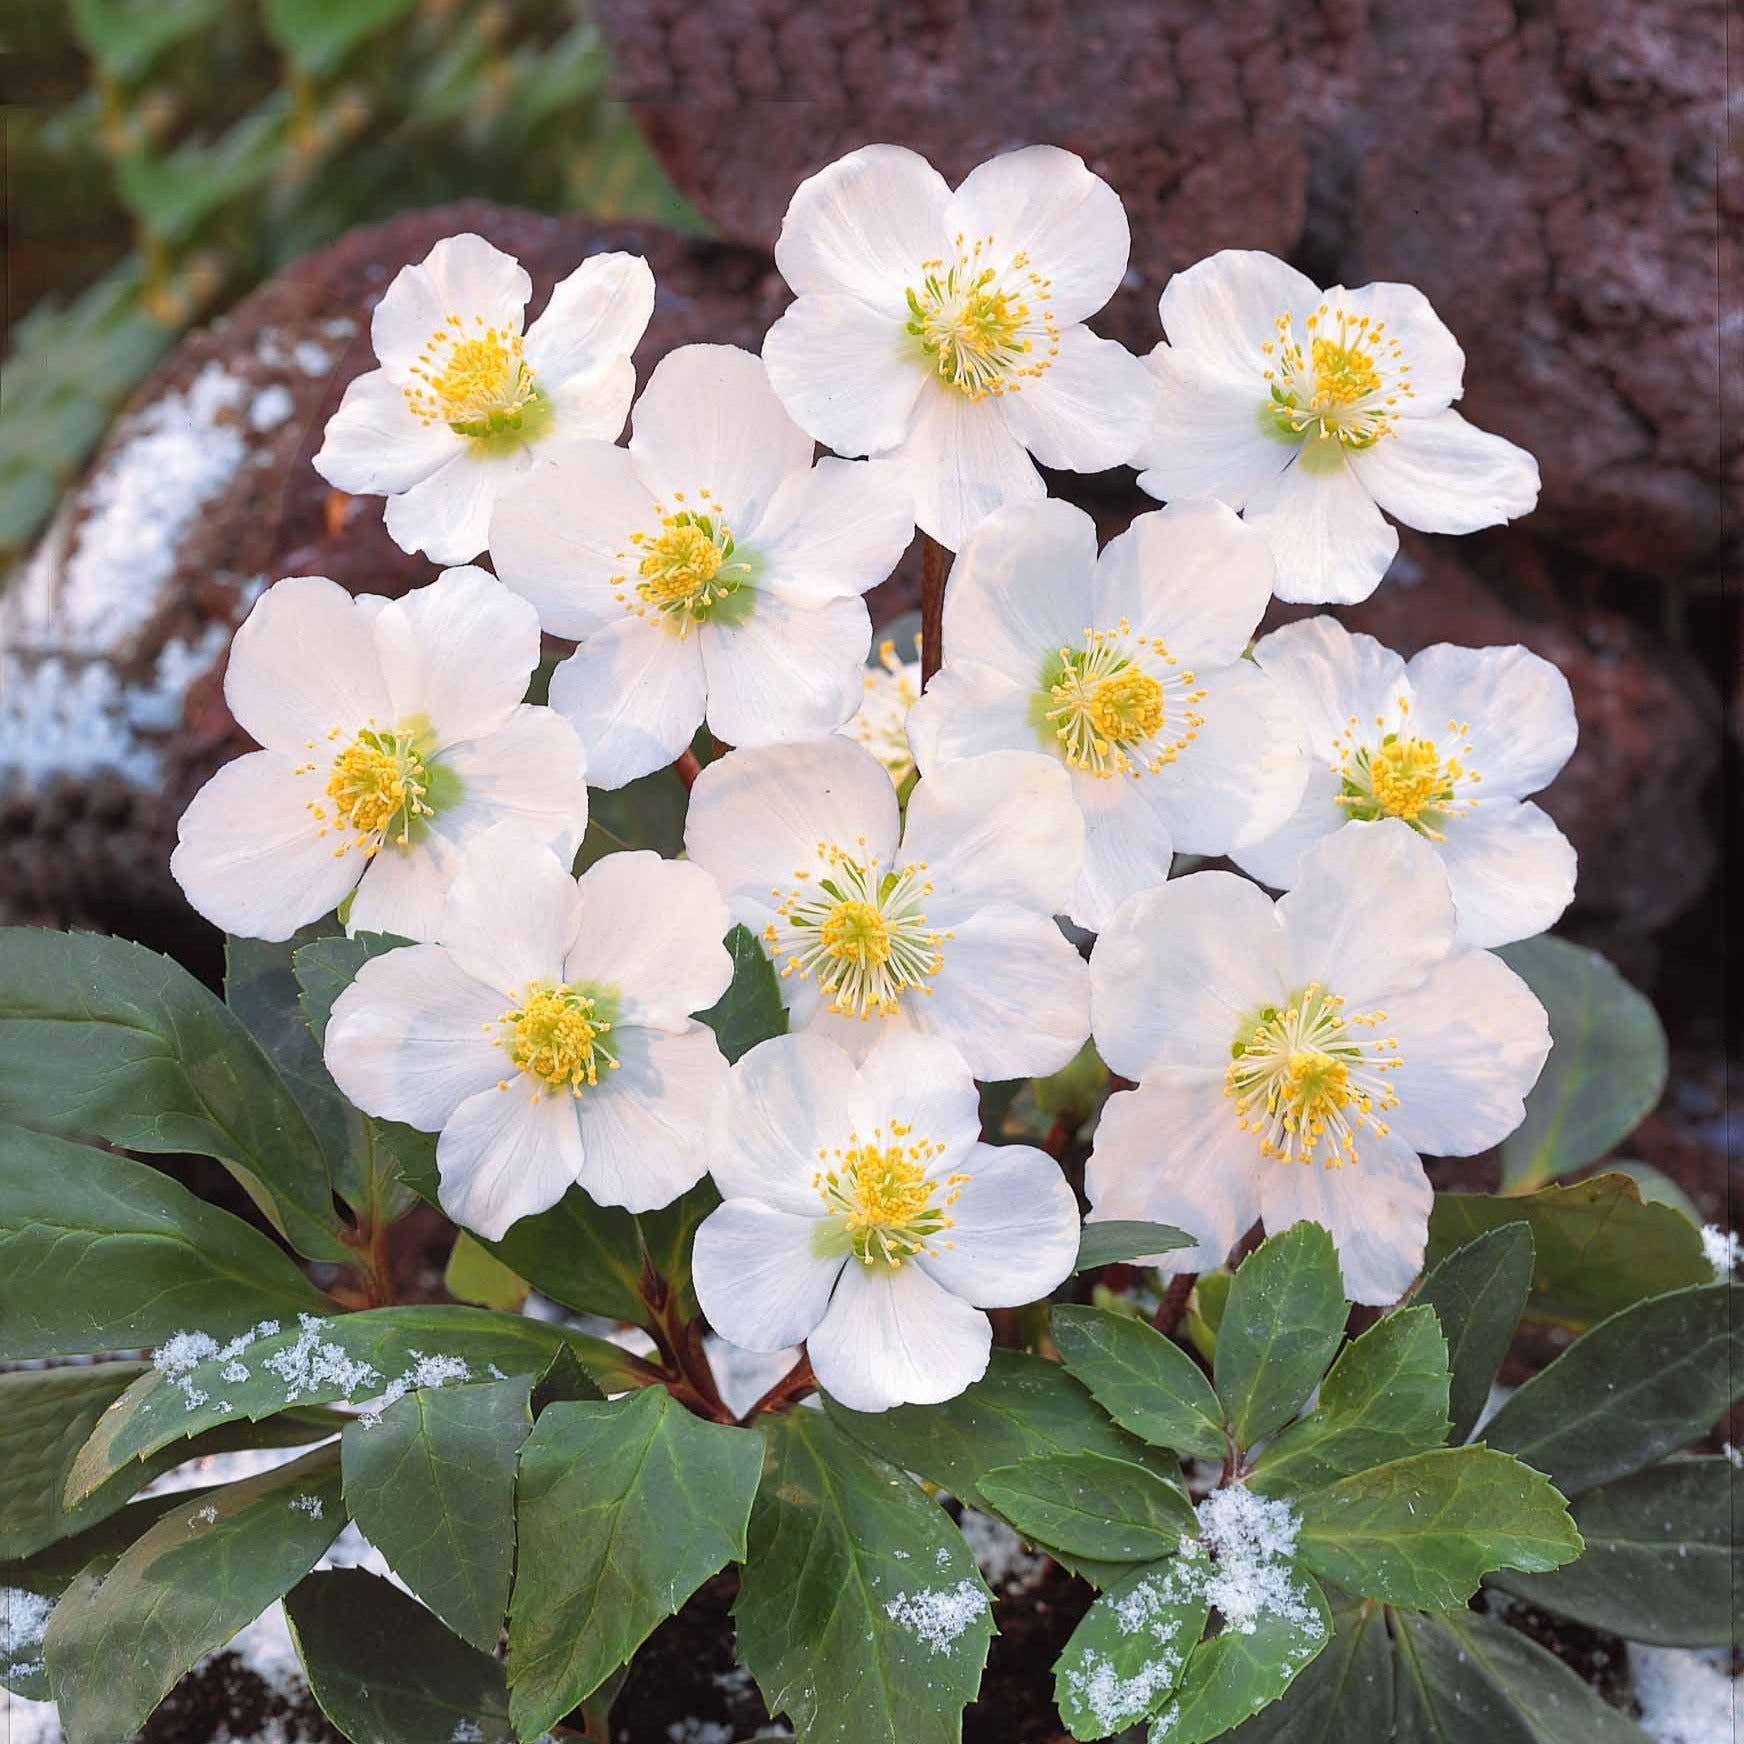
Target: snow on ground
1686 1698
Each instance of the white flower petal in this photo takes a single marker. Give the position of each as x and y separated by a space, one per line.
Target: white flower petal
1242 777
962 462
513 910
507 1154
1221 310
709 420
758 1279
1020 588
303 663
787 672
1371 914
897 1338
447 515
1013 997
1045 203
784 1099
596 315
1210 435
404 891
1443 475
462 276
757 816
458 653
925 1084
652 930
1180 970
590 408
1194 574
1275 860
374 446
969 710
1016 1232
1331 676
863 224
1000 828
1473 1039
414 1036
1328 539
1432 353
560 534
1377 1212
1512 872
1170 1152
1127 848
531 770
634 692
832 532
1091 408
645 1126
248 855
848 373
1518 708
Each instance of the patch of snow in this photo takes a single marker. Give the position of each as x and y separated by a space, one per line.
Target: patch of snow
1686 1698
310 358
183 1352
1498 1397
1252 1539
1117 1701
1722 1249
744 1376
426 1371
1006 1564
23 1721
938 1618
700 1732
271 407
308 1504
310 1364
23 1617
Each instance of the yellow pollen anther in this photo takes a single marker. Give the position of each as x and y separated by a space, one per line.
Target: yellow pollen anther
556 1036
883 1191
983 328
1398 774
1108 703
473 379
1345 383
688 570
377 785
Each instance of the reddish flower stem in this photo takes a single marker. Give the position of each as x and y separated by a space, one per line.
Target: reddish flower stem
934 560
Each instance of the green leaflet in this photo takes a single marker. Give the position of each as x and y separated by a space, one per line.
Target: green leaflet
103 1038
1423 1531
431 1484
1478 1292
1123 1240
1089 1505
860 1610
623 1510
750 1011
1141 1379
1344 1695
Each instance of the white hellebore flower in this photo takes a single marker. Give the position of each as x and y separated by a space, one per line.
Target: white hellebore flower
1314 411
394 732
1294 1059
1126 667
863 1215
948 931
882 723
463 398
549 1037
1449 744
946 330
710 568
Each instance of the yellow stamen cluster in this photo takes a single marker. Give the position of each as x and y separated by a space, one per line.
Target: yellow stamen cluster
556 1035
1304 1082
882 723
686 569
984 328
1401 775
860 930
472 378
375 787
1114 698
1345 384
882 1190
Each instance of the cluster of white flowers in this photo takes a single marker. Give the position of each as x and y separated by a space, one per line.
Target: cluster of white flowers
1097 711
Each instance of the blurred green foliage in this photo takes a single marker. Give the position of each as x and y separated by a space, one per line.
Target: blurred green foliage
167 155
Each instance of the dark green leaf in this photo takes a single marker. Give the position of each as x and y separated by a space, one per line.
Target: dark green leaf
750 1011
1638 1386
1235 1674
1344 1696
319 36
1089 1505
646 813
474 1274
46 1416
1477 1292
102 1253
586 1256
1121 1239
431 1484
385 1671
1281 1327
1022 1407
860 1611
1205 1305
1596 1246
668 1236
125 38
1606 1068
563 1382
182 1590
1460 1676
1384 1398
354 1357
624 1510
1659 1564
103 1038
1423 1531
1143 1381
1127 1653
